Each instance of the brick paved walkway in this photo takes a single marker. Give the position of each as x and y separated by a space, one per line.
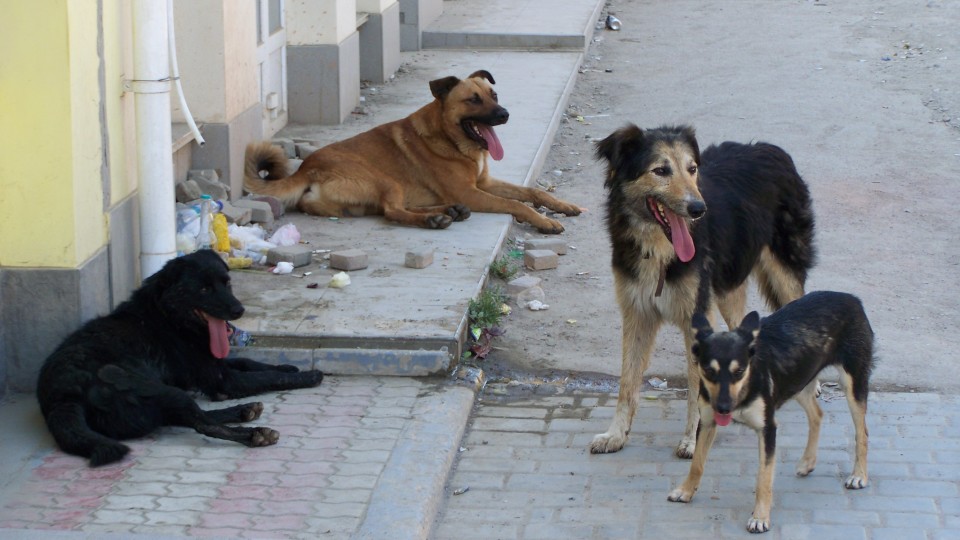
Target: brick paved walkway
530 475
318 481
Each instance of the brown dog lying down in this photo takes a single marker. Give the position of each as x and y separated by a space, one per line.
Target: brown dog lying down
428 169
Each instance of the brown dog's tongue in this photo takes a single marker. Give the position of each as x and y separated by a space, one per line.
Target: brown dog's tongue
680 237
722 419
219 338
493 142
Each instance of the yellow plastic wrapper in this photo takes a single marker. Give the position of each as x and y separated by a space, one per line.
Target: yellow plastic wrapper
235 263
220 230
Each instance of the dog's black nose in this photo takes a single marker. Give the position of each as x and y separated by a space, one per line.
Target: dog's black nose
236 312
501 115
696 209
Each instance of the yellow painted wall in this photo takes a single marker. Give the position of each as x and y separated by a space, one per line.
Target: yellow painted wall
51 196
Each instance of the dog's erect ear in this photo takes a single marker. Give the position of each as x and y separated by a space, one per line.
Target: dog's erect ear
701 326
750 329
483 74
617 146
441 87
690 137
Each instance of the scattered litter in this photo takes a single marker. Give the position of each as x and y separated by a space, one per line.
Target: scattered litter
339 280
463 449
613 23
571 321
658 383
313 285
461 491
536 305
287 235
505 309
283 267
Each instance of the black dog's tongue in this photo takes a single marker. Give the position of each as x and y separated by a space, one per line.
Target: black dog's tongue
219 336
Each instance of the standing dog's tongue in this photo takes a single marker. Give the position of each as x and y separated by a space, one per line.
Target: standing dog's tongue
493 142
680 236
722 419
219 337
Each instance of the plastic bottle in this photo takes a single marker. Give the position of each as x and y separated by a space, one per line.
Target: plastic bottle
205 236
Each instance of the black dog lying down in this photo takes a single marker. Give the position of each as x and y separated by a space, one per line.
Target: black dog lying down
748 373
124 375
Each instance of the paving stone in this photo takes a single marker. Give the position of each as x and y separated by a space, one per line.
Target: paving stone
240 216
540 259
275 204
260 212
297 254
522 283
420 258
304 150
289 147
187 190
350 259
209 182
555 245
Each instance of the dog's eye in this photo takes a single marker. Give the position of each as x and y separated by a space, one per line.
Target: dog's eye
739 373
476 99
662 171
495 97
692 170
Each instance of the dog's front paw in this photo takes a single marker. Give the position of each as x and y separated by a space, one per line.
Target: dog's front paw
251 411
680 495
806 465
437 221
314 377
287 368
550 226
686 447
758 525
263 436
607 443
855 482
568 209
458 212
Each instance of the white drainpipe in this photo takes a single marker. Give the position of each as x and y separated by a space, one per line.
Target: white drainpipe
151 85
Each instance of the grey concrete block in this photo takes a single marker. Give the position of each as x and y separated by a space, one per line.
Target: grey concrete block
261 212
540 259
288 146
350 259
188 190
304 150
293 165
555 245
275 205
522 283
298 255
240 216
421 258
209 182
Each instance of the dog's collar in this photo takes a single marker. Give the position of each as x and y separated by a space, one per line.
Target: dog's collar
660 280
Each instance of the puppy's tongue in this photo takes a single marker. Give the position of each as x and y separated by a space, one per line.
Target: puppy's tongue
219 337
680 237
493 142
722 419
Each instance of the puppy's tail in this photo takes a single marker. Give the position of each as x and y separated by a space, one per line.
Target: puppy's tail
68 425
265 173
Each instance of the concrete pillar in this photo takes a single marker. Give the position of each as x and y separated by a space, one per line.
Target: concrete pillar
415 15
379 39
323 60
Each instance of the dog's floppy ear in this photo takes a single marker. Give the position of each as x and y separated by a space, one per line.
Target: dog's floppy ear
690 137
441 87
617 146
483 74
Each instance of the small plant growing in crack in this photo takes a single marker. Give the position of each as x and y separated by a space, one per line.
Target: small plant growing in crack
485 313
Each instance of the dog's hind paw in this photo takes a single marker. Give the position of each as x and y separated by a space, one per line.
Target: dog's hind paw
251 411
263 436
605 443
755 525
104 454
686 447
855 482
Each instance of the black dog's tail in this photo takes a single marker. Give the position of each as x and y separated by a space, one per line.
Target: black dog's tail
68 425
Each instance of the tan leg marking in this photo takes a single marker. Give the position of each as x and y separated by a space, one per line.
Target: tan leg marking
760 520
708 433
807 398
858 411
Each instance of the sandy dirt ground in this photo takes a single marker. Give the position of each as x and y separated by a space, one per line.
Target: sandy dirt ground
865 97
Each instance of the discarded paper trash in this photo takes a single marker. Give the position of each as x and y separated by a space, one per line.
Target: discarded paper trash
340 280
283 268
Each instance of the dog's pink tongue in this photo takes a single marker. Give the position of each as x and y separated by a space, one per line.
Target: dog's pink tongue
219 338
680 236
722 419
493 142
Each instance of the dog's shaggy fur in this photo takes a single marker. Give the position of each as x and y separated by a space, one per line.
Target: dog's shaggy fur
426 170
123 375
687 230
748 373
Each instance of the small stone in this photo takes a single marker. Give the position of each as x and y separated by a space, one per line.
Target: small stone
187 191
350 259
275 205
304 150
297 254
540 259
419 258
555 245
240 216
522 283
260 211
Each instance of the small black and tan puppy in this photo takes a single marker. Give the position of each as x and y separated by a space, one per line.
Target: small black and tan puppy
748 373
123 375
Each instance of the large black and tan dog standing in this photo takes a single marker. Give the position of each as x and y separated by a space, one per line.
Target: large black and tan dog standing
123 375
426 170
748 373
687 230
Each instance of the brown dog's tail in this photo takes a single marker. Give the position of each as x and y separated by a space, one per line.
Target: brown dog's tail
265 173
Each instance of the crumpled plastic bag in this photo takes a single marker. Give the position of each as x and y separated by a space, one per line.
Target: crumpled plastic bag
287 235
